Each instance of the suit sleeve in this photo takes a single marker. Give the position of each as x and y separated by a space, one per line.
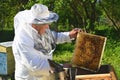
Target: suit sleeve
61 37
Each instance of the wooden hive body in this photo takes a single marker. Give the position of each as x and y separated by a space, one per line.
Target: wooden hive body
7 63
105 72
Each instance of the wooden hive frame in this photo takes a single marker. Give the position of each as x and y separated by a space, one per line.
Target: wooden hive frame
88 51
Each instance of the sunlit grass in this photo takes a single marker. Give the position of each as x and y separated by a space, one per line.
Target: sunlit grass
63 53
112 55
63 58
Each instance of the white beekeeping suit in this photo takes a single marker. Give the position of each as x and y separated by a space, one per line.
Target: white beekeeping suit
31 50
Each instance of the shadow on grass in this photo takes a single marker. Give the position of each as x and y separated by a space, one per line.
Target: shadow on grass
6 35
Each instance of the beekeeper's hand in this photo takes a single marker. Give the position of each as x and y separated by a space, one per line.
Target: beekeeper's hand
73 33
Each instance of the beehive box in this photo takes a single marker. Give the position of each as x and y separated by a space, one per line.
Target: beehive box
88 51
105 72
7 65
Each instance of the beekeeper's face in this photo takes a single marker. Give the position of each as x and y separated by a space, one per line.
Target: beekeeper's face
41 28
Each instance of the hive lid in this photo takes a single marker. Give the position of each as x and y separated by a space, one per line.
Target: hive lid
6 44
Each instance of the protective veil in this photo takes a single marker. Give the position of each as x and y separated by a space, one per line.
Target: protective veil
31 50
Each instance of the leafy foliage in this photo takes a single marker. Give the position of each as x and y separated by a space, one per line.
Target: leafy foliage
72 13
111 9
8 9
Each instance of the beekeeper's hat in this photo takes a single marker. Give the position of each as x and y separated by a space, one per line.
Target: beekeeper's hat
41 14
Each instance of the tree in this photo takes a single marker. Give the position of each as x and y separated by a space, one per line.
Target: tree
72 13
75 13
8 9
112 9
85 12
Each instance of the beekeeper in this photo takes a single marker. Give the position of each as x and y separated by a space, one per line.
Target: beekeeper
34 42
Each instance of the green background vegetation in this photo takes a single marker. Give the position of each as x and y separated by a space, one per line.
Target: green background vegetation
100 17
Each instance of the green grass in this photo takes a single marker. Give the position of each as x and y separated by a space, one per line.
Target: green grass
112 55
63 53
